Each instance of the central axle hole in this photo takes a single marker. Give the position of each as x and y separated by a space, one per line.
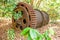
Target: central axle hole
24 21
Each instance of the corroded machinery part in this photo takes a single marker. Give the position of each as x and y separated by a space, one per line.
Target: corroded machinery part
30 17
39 17
31 12
45 17
22 22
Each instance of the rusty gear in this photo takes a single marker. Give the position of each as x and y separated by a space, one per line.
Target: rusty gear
30 18
31 12
24 20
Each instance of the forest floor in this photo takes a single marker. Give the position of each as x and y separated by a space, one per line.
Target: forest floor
6 24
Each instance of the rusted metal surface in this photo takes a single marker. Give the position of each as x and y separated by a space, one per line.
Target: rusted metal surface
24 20
45 18
31 12
30 18
39 18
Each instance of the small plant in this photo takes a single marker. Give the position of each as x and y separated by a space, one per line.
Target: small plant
33 34
17 15
10 34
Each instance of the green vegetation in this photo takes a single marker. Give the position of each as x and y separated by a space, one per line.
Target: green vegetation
11 34
17 15
33 34
52 7
7 7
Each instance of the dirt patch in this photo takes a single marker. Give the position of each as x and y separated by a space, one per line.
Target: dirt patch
7 24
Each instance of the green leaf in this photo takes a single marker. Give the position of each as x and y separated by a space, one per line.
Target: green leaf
33 34
48 38
46 35
37 32
37 38
29 37
41 37
25 31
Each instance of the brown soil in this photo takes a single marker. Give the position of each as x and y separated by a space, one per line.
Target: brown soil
6 24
